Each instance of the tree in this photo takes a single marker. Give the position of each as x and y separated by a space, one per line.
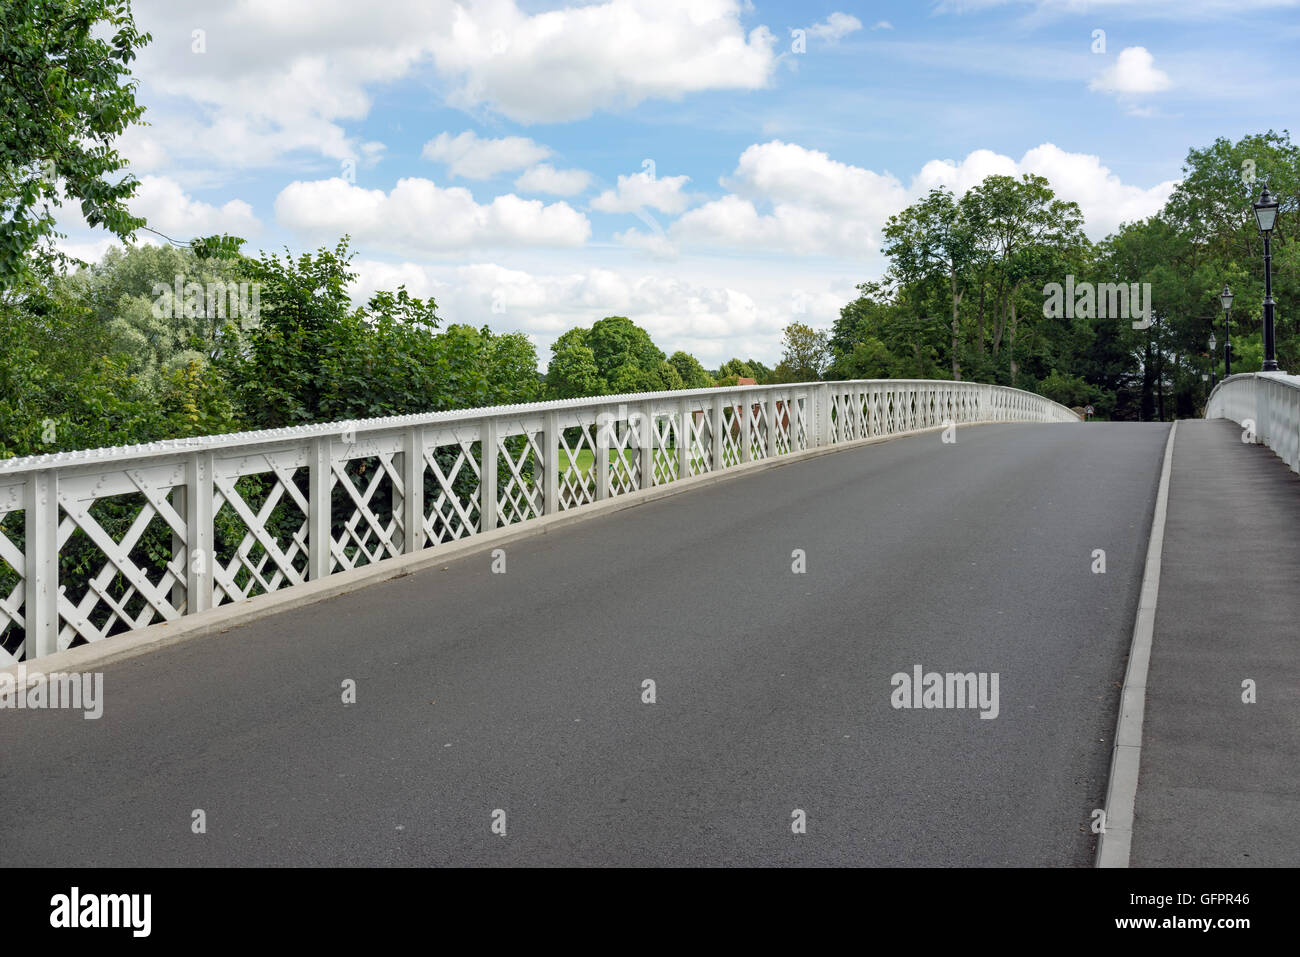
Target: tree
572 371
691 372
936 234
613 357
806 353
737 368
1016 219
66 94
616 341
133 293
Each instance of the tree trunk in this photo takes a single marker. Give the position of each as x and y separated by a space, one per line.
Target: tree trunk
1000 319
1011 337
956 301
1160 374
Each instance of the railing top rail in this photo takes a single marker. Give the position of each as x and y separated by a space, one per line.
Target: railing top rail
1283 378
265 437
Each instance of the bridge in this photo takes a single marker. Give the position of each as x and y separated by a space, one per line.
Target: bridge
874 622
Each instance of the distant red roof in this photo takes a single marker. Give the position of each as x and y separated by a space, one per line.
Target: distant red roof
746 380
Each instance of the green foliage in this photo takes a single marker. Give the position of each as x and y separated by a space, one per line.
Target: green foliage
613 357
312 357
690 371
964 293
62 383
66 93
1069 390
572 372
806 355
134 295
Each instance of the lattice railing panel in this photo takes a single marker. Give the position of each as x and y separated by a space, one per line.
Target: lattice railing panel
372 488
758 426
577 477
452 500
700 430
782 423
731 435
123 572
667 433
12 586
519 496
625 437
260 519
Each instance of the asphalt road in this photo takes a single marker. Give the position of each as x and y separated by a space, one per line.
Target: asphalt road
522 692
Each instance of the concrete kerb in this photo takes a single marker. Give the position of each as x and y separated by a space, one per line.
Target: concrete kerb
1114 846
225 617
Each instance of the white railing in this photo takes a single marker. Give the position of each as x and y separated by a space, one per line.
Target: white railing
99 542
1267 406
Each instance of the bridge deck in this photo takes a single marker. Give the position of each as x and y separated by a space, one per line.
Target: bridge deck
1220 779
522 692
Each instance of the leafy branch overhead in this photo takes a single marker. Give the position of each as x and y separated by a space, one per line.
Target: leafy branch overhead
66 94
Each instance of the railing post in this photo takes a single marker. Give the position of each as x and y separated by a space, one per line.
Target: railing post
685 438
824 414
551 464
321 511
41 564
646 434
180 551
413 497
746 414
717 440
772 424
604 435
487 485
1261 411
200 535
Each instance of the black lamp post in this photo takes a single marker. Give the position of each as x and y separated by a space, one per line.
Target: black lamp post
1265 218
1225 297
1214 343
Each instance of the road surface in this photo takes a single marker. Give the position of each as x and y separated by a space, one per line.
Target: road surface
523 692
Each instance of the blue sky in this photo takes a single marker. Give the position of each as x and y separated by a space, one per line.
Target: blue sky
697 166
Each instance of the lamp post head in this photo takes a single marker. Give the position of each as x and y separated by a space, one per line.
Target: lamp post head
1213 342
1225 297
1265 211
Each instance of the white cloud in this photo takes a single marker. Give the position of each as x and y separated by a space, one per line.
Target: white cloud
93 250
545 178
817 205
883 25
656 242
1134 72
1182 9
787 199
263 80
566 64
285 78
713 320
835 27
419 216
473 158
1106 201
963 176
169 209
642 190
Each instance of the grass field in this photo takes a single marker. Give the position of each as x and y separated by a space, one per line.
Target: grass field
585 460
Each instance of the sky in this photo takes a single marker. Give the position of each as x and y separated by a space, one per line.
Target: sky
713 170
